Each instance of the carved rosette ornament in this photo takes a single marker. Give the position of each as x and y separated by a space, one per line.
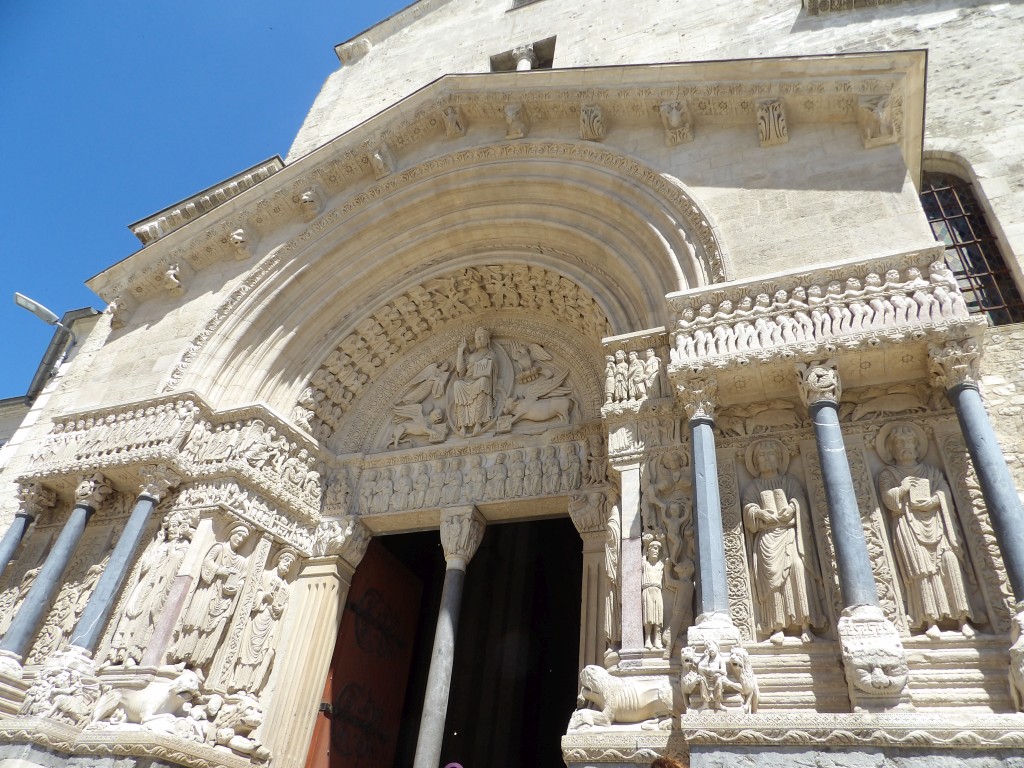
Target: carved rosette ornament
157 480
955 364
462 529
345 537
35 498
699 397
819 382
92 490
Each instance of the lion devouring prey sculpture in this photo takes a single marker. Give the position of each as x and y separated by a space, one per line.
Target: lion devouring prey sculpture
605 699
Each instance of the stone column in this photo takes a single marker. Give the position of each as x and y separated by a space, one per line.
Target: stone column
873 656
462 528
955 367
525 57
630 564
156 480
34 499
699 396
590 513
91 492
316 605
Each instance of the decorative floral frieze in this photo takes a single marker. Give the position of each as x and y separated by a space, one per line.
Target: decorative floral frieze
804 314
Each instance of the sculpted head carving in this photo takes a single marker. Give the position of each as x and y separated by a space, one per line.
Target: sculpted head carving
746 303
767 458
238 535
901 443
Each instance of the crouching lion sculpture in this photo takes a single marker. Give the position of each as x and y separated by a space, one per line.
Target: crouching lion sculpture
605 700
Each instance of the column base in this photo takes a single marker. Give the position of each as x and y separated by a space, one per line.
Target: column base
874 660
713 626
12 686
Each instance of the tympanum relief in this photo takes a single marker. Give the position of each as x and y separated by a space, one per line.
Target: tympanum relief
488 387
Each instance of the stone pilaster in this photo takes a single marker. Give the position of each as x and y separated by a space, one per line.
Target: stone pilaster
589 513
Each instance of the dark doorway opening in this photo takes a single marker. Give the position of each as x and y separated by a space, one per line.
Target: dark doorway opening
514 683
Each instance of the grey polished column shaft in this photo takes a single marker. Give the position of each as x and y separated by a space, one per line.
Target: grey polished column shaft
89 628
997 487
34 499
462 529
712 588
16 641
853 562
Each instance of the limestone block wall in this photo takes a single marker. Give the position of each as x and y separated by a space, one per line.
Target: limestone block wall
975 97
1002 385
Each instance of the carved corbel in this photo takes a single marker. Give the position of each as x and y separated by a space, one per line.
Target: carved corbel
592 126
819 381
172 279
34 499
118 309
350 53
239 242
955 364
454 122
462 529
771 122
517 122
310 203
874 121
699 396
382 161
92 490
677 122
157 480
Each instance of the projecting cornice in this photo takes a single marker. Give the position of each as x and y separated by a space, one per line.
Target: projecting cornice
594 112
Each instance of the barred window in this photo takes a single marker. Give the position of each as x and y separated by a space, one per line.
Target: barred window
972 252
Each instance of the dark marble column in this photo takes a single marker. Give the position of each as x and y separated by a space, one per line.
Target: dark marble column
462 528
955 368
34 499
698 396
155 483
89 495
866 638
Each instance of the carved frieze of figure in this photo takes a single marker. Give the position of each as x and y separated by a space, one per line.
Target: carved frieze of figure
783 560
609 379
435 485
420 484
213 602
597 460
551 470
256 656
402 489
476 479
714 682
926 534
452 490
653 607
157 568
516 475
652 370
605 699
636 378
572 468
534 473
497 476
473 387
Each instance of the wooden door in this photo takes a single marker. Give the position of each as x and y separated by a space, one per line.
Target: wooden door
361 710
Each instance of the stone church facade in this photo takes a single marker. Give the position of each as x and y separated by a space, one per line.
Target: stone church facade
664 272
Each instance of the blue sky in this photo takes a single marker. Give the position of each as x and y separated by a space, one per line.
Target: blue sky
113 110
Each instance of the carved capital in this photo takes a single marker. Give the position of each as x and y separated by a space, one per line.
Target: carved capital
819 382
156 480
462 529
699 397
345 537
35 498
525 57
589 512
92 490
955 363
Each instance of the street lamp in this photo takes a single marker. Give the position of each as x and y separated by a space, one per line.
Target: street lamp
42 313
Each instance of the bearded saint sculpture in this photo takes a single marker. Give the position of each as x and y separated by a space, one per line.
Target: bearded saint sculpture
926 535
775 516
